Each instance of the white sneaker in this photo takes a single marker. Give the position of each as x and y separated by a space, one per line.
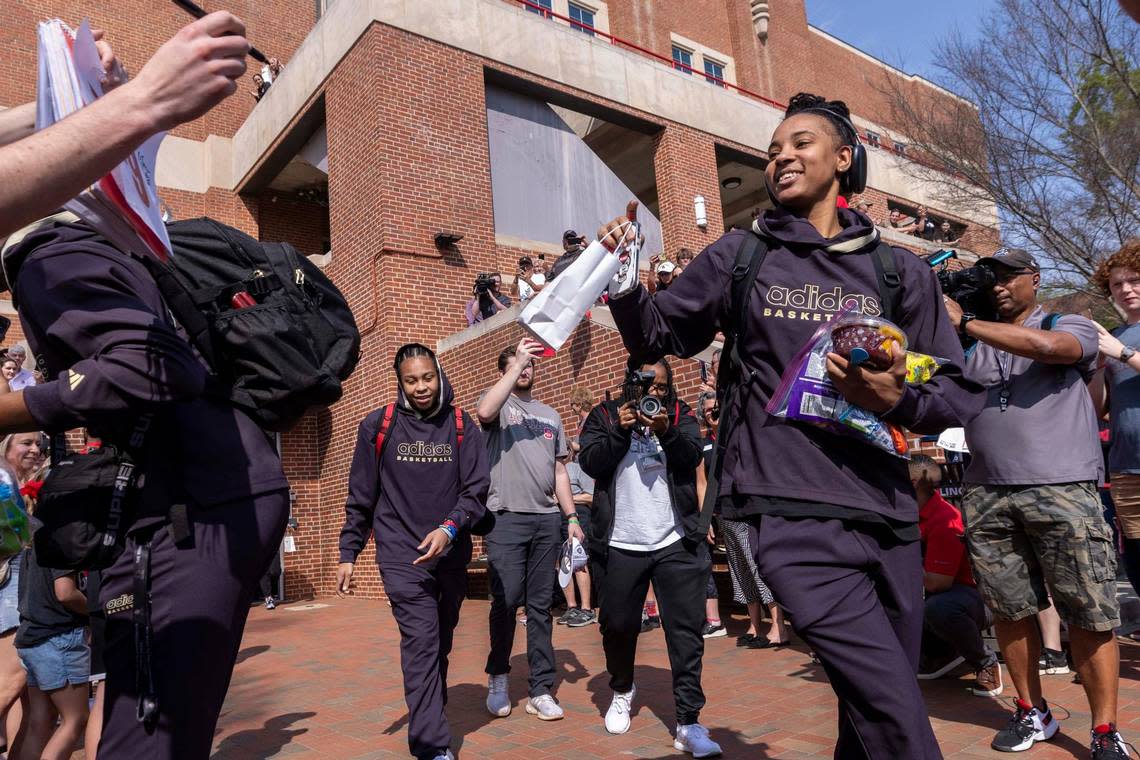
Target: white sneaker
694 739
617 717
446 755
498 700
544 707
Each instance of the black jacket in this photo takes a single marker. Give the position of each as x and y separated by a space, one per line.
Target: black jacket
604 442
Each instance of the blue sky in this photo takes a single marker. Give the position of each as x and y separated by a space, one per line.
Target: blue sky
904 33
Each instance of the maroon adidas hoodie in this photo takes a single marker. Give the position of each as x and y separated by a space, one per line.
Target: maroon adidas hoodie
804 280
426 477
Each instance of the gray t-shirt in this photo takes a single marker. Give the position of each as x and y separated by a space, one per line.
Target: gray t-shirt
523 445
1124 407
580 482
1048 433
644 517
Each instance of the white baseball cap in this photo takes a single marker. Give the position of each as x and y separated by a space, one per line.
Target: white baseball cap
666 267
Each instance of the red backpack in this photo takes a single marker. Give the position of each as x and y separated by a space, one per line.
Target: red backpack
386 424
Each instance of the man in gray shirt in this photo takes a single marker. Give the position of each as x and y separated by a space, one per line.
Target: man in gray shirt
527 448
1033 519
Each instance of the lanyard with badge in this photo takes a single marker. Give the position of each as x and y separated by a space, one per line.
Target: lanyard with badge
650 456
1005 372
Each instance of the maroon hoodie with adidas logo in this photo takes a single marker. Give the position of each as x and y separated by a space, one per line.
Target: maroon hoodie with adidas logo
786 468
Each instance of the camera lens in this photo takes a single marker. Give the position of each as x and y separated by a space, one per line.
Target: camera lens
650 406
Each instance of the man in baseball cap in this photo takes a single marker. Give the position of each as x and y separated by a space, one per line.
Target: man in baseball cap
1011 258
1033 516
665 272
572 241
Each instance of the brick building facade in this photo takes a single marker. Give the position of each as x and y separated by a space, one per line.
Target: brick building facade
393 94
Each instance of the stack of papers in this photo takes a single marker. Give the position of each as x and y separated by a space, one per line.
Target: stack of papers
122 206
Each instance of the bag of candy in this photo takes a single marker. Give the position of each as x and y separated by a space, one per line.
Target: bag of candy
806 393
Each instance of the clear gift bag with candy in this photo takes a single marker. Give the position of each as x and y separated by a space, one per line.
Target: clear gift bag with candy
807 395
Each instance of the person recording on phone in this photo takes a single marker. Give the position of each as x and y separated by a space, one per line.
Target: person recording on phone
529 279
836 520
418 483
643 453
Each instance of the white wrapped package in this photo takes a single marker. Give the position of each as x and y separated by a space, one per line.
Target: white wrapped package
558 308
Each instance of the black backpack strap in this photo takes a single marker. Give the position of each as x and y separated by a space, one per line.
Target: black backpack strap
180 300
749 257
890 284
1050 321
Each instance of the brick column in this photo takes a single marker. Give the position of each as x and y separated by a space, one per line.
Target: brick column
685 163
408 157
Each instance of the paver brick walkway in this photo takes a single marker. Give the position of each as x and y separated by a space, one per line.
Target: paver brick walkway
324 682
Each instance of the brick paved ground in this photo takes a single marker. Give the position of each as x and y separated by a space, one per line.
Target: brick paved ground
324 682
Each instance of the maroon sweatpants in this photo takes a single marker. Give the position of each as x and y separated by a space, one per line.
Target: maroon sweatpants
854 592
200 592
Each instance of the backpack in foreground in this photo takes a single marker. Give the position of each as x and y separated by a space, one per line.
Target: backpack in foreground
276 332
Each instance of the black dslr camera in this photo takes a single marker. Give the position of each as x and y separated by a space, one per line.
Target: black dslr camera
972 287
483 283
647 404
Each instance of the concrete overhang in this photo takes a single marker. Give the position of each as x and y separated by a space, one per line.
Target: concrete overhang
286 118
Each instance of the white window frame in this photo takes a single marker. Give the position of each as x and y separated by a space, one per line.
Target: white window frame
710 61
700 53
591 28
685 51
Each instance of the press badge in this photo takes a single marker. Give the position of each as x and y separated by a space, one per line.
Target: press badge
650 456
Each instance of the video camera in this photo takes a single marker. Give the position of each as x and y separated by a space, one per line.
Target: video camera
971 288
640 381
483 283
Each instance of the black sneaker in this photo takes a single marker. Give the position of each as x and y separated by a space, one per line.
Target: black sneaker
1026 727
745 639
567 616
713 630
1107 744
935 666
582 619
648 623
1053 662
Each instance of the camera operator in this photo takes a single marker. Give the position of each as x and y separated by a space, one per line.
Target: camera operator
190 74
1033 517
572 245
836 521
643 454
487 299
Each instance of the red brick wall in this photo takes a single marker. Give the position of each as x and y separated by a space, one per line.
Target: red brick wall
136 28
685 163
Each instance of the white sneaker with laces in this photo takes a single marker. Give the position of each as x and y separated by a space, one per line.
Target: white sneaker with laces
617 717
694 739
498 700
544 707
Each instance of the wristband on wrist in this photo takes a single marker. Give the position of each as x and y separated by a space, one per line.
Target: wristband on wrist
574 519
450 528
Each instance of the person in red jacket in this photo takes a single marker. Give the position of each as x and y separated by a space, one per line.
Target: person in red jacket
954 613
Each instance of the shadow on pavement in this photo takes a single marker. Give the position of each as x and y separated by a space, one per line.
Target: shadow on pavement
265 741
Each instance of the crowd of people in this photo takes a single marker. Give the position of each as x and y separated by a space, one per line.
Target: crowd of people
850 547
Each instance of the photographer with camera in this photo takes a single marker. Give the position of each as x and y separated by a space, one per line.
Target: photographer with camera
836 521
643 453
572 245
487 299
1033 517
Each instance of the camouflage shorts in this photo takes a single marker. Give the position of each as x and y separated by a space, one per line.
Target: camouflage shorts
1028 541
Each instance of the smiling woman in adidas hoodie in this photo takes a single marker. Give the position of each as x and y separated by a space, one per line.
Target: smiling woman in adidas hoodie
418 483
833 521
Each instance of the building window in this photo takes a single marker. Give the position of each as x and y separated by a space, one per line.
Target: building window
682 59
714 72
582 19
874 139
900 148
545 7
